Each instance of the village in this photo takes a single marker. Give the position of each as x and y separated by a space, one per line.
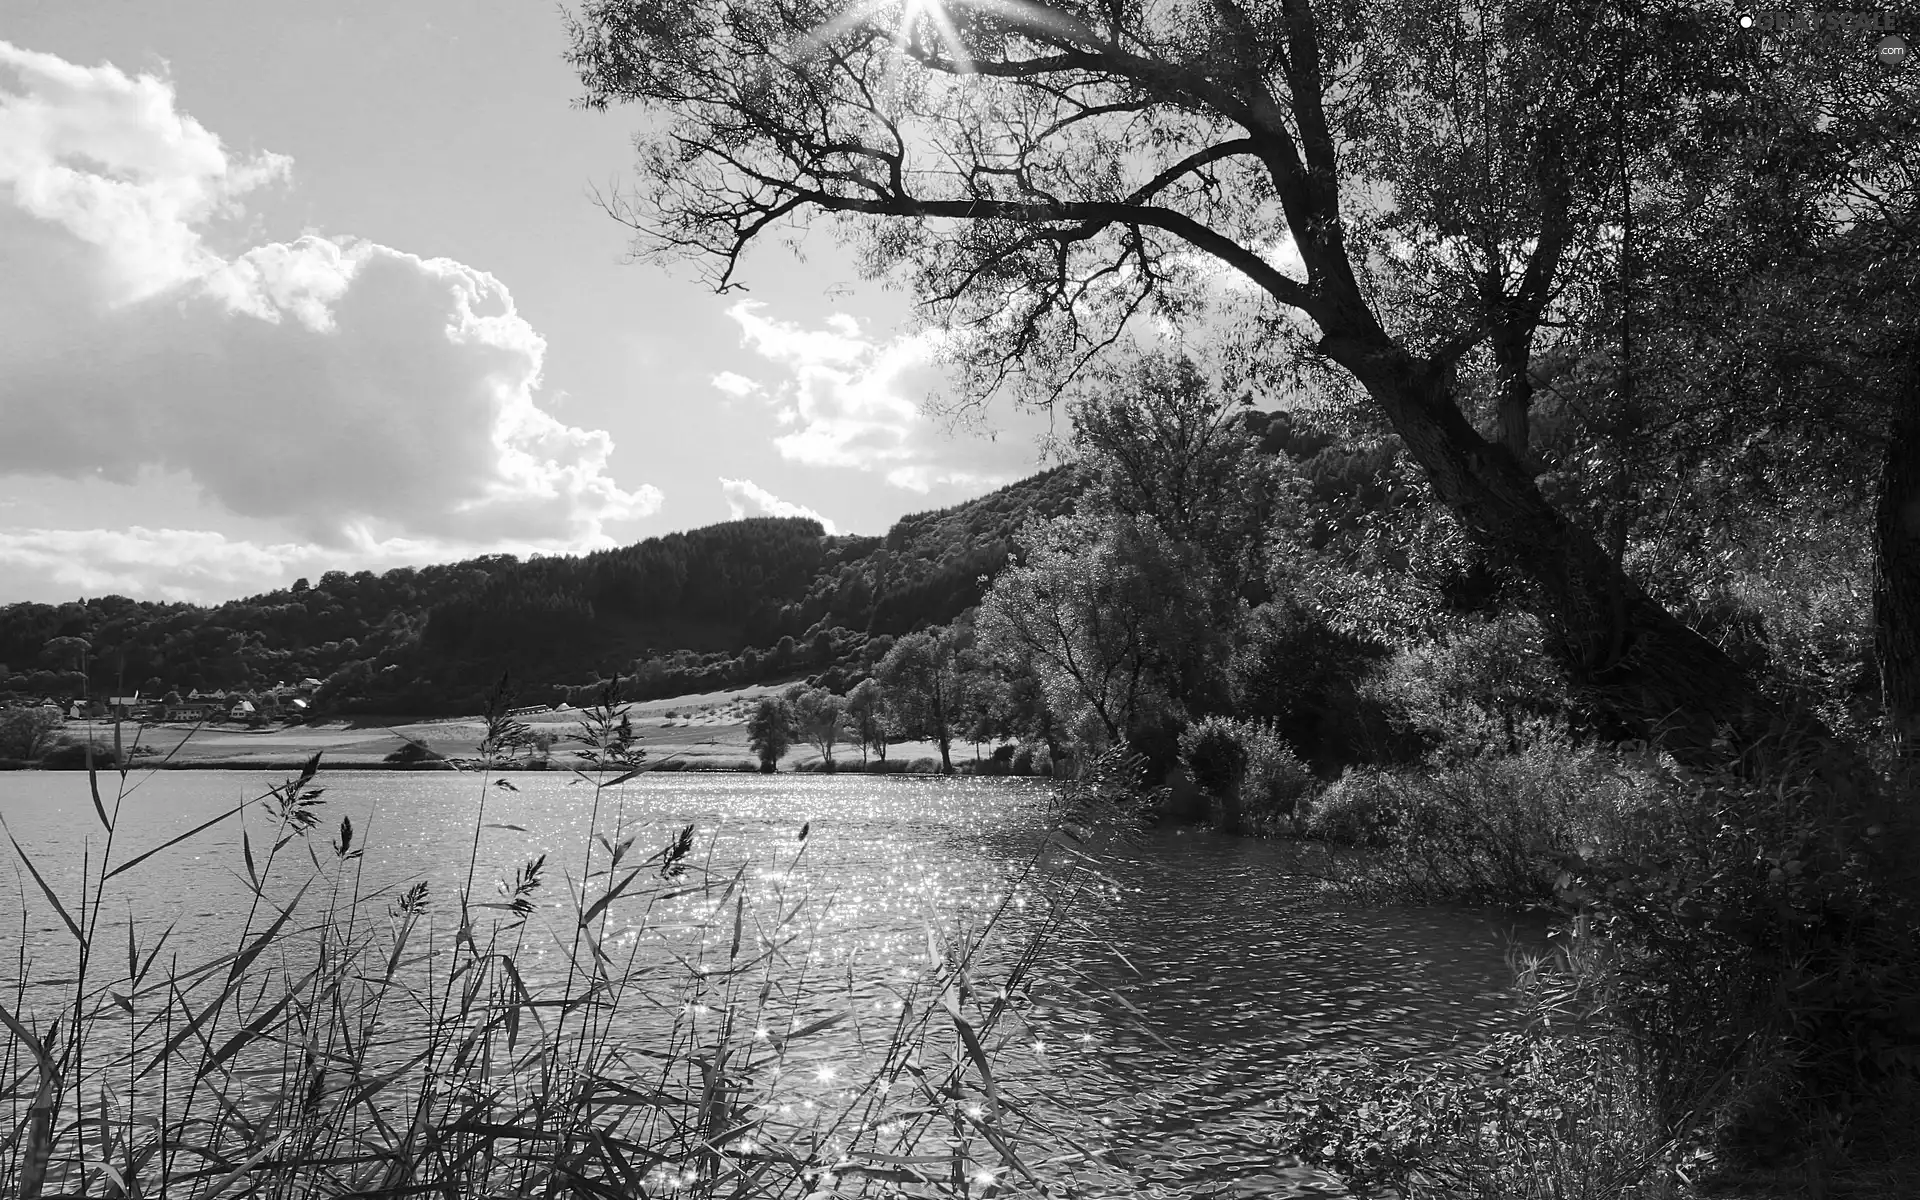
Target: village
283 702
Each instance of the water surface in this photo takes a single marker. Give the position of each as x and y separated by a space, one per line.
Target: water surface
1162 1022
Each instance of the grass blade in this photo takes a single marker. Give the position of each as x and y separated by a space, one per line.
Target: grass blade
44 888
975 1050
131 863
93 781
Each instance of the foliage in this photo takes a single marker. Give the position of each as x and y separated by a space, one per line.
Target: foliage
72 756
1107 618
1477 691
867 718
1533 1116
413 752
26 731
1486 830
818 717
925 685
770 732
1256 781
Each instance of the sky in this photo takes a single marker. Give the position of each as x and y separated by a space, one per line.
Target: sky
290 287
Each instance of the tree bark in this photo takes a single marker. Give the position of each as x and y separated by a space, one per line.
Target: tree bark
1627 656
1896 576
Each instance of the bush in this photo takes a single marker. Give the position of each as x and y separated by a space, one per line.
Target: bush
27 730
923 766
1255 780
1022 763
414 752
1490 830
72 756
1276 784
1357 809
1487 689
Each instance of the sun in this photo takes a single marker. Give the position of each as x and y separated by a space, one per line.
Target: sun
1022 15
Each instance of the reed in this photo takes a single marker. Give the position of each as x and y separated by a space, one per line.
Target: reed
389 1041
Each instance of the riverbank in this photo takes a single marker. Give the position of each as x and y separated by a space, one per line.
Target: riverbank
704 731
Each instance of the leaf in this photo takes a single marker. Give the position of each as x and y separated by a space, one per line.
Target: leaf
810 1030
504 825
613 893
93 780
251 1031
171 842
975 1050
45 890
507 784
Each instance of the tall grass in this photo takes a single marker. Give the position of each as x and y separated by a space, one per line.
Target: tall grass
388 1041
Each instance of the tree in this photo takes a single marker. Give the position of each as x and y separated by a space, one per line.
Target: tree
1044 174
1103 613
770 732
921 678
818 718
25 732
866 714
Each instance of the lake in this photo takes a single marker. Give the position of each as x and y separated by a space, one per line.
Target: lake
1160 1023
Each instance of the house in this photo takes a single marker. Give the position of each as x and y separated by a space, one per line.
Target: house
240 709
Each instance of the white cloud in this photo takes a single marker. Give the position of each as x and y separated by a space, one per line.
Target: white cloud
744 492
196 565
356 394
735 385
846 404
170 564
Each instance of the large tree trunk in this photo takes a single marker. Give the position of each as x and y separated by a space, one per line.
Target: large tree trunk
1896 576
1627 656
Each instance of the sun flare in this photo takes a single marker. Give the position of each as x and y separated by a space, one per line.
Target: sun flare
1024 16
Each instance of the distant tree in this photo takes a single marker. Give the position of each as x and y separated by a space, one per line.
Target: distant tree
822 647
65 651
819 717
866 713
770 732
922 678
25 732
301 587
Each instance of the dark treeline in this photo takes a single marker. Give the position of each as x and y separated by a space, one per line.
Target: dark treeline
714 606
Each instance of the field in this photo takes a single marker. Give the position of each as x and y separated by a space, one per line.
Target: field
706 731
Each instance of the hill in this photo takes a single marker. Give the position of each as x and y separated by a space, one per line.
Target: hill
720 606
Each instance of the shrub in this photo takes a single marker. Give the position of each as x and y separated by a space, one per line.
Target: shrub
1486 689
1253 777
414 752
1489 830
1022 763
1276 783
72 756
924 766
26 730
1211 750
1355 809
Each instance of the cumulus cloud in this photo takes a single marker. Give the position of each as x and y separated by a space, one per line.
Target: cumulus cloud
744 493
735 385
846 401
356 394
170 564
